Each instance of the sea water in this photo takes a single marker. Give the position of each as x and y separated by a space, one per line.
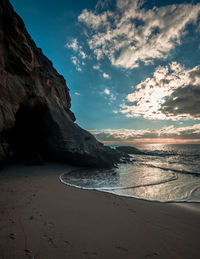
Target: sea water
166 173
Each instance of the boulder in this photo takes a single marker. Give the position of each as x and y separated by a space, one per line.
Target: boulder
35 115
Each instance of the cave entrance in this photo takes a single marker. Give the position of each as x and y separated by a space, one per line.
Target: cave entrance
30 130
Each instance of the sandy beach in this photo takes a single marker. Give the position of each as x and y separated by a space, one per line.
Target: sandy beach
42 218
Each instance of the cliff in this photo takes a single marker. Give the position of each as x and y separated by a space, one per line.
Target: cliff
35 115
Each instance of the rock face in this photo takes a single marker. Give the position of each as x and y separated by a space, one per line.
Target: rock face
35 115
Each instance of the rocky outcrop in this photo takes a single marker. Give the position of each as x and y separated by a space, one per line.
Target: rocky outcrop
35 115
129 150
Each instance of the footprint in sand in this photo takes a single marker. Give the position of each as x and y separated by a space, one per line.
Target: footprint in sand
90 254
51 224
151 255
50 241
11 221
67 243
121 248
132 210
27 252
12 236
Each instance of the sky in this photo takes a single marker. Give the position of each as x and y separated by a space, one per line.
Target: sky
132 66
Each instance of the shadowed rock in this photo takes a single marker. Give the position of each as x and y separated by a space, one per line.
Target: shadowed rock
129 150
35 115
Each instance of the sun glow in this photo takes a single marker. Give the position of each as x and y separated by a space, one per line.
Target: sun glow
160 97
148 101
155 141
157 96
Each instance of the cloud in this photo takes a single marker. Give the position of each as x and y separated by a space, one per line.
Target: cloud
106 91
106 75
96 67
131 34
82 54
77 93
172 93
130 135
184 102
92 20
77 63
102 4
74 45
110 96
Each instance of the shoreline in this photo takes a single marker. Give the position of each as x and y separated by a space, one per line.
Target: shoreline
106 190
185 204
44 218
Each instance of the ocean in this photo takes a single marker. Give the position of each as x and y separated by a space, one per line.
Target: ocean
166 173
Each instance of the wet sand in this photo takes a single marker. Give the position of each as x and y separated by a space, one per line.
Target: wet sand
42 218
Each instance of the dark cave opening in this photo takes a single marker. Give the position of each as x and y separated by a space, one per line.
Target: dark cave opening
27 138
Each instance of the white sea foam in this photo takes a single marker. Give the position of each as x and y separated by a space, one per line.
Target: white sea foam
169 173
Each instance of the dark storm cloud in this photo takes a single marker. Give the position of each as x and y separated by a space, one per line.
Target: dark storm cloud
183 101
